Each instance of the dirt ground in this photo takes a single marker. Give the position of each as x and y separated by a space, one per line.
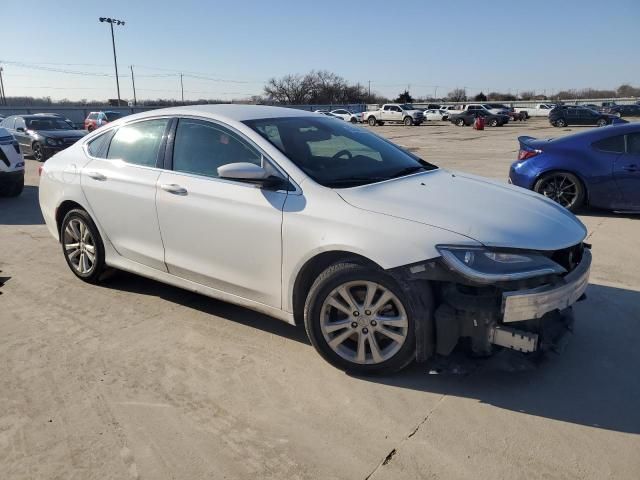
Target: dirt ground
135 379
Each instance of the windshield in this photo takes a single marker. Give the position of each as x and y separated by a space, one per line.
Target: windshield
47 123
407 106
337 154
111 116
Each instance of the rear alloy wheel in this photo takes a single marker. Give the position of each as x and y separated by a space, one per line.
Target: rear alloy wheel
82 246
408 121
563 188
602 122
372 121
354 120
38 152
561 123
460 122
359 320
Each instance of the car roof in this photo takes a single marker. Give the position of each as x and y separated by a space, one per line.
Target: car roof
229 112
595 134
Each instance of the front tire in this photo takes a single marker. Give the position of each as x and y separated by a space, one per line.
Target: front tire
14 189
563 188
38 152
561 123
408 121
493 123
372 121
82 246
460 122
353 120
602 122
359 320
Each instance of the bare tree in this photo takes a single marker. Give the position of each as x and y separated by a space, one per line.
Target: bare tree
457 95
528 95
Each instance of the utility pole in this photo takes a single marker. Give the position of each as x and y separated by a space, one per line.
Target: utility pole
133 82
182 89
3 97
111 21
369 90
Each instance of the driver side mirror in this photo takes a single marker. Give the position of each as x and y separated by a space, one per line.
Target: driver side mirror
252 173
20 129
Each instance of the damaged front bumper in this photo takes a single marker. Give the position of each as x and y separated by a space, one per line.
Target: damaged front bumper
529 316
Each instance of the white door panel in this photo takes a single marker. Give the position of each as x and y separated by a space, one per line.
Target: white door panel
122 197
223 235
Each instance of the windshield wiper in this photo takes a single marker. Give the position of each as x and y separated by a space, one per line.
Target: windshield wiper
408 171
354 181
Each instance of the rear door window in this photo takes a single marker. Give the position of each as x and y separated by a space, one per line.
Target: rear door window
633 144
138 143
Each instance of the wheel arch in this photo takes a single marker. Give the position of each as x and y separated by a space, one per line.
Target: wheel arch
62 210
314 267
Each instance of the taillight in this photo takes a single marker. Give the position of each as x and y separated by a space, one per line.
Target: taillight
526 154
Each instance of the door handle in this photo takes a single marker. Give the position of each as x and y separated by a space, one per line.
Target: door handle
173 188
97 176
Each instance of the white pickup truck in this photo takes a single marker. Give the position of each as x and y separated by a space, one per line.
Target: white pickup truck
540 110
394 112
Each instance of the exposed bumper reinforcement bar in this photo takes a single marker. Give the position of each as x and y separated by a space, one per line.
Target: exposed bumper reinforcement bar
514 339
534 303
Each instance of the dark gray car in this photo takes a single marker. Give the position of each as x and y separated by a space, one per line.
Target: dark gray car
42 135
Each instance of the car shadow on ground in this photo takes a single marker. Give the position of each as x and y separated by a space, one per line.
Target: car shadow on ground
593 382
21 210
129 282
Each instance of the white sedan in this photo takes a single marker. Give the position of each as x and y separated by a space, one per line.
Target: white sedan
384 257
347 116
433 114
11 166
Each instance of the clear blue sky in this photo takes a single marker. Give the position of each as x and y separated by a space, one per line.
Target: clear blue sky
483 45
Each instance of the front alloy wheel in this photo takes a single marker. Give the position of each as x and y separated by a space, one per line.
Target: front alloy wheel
38 152
358 320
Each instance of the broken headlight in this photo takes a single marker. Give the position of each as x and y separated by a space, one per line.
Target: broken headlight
484 265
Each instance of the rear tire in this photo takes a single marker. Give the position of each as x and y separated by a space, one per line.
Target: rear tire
371 121
560 123
563 188
602 122
353 327
380 123
82 246
493 123
353 120
460 122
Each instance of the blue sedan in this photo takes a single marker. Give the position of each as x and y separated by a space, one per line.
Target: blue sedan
598 167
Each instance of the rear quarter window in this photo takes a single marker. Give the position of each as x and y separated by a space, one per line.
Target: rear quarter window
611 144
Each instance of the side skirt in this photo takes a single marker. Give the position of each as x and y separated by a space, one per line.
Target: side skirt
119 262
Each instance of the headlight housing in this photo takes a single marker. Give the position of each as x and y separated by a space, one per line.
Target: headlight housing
483 265
51 141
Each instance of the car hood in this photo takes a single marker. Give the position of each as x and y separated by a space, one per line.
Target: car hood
61 133
492 213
